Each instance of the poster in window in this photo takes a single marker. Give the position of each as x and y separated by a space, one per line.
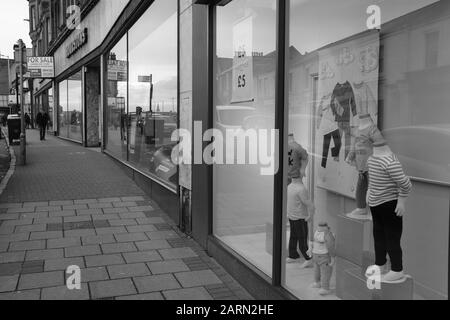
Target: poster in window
242 90
348 88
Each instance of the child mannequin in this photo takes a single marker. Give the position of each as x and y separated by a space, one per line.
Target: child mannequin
389 189
324 255
362 150
300 213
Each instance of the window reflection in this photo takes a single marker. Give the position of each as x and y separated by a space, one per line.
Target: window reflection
117 109
245 99
153 91
71 108
142 88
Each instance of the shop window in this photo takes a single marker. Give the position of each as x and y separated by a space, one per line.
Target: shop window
243 206
153 91
372 87
116 122
71 116
142 111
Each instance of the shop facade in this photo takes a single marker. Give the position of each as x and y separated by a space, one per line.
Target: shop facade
134 72
310 69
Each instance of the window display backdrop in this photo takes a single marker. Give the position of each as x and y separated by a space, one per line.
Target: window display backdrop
244 100
142 88
348 89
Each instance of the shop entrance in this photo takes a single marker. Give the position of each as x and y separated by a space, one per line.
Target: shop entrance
92 103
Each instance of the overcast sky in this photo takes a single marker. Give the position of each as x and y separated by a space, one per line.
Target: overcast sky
13 27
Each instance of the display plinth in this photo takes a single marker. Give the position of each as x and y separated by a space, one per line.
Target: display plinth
354 255
353 239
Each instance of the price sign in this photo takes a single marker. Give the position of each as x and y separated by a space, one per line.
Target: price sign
243 90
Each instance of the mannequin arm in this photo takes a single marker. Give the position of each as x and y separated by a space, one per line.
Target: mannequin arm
401 207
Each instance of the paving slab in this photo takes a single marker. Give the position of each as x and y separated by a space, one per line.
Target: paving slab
128 271
192 294
112 288
41 280
156 283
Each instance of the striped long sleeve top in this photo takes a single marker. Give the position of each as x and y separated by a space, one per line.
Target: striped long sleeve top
387 180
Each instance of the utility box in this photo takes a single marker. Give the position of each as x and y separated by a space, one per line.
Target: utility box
14 128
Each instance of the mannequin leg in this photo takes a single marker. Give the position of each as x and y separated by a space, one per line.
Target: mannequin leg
327 272
394 232
326 150
304 239
294 240
361 190
379 235
317 274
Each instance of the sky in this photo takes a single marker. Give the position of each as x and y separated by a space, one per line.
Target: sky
12 15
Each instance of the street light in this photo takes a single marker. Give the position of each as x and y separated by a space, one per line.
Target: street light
19 51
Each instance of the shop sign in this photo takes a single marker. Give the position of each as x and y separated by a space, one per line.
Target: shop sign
41 67
80 40
243 90
117 70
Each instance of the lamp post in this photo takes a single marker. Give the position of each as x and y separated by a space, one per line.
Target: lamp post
19 49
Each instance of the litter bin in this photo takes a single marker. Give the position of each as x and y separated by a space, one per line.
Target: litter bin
14 127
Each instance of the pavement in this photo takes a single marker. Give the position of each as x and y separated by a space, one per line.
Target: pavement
72 206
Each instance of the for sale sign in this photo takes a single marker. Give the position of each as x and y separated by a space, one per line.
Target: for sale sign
41 67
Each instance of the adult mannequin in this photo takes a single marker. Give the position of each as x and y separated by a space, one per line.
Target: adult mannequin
389 189
367 134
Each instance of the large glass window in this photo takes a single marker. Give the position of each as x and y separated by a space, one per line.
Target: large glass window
245 103
116 121
153 90
142 108
71 108
63 121
353 87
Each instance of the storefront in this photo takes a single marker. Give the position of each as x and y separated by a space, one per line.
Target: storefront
116 89
303 78
320 72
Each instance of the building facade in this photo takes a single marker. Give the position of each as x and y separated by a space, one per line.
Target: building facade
128 74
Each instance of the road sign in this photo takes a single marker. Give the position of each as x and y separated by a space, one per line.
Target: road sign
41 67
146 79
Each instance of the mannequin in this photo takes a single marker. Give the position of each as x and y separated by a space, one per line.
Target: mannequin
389 189
323 250
300 211
298 159
362 149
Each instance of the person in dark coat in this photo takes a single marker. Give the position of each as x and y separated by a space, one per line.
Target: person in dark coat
42 121
27 121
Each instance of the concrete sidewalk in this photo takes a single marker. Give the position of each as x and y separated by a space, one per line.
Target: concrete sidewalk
74 206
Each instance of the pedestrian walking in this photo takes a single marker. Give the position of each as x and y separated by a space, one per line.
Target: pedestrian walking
42 121
27 120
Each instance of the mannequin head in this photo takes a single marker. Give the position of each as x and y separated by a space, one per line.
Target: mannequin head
323 227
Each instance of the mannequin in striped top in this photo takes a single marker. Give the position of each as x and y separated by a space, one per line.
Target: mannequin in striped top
389 189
